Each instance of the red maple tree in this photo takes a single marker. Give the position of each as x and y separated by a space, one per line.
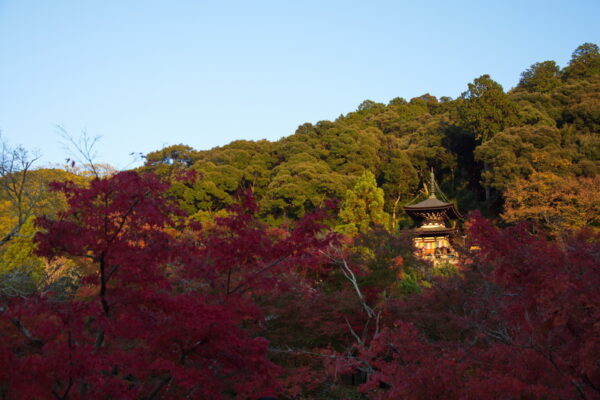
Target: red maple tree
164 309
521 321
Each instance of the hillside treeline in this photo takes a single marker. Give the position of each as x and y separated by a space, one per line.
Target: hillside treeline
487 147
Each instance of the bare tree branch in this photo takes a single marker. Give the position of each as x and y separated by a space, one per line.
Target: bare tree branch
15 167
372 314
82 149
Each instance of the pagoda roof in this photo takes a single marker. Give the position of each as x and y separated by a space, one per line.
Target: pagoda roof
423 232
433 204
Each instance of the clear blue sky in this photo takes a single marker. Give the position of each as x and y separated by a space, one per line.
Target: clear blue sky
145 74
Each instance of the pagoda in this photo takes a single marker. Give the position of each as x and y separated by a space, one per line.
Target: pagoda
433 236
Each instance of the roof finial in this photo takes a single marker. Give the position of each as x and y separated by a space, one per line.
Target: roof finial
432 191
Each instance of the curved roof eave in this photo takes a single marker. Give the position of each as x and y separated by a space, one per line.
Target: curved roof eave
452 211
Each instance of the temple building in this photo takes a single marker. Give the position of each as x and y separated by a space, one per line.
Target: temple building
436 231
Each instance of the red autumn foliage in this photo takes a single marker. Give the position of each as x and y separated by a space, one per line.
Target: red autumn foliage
171 315
168 309
521 322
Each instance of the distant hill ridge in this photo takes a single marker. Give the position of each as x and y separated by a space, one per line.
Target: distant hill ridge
479 145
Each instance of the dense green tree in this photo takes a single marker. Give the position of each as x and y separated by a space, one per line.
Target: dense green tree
485 109
369 105
179 154
351 149
253 160
541 77
518 152
212 190
299 185
362 207
400 179
582 108
585 62
427 147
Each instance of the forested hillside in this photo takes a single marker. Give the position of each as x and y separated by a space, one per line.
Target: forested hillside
284 270
486 147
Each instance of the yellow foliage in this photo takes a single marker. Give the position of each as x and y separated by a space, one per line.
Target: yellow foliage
7 220
560 203
19 252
